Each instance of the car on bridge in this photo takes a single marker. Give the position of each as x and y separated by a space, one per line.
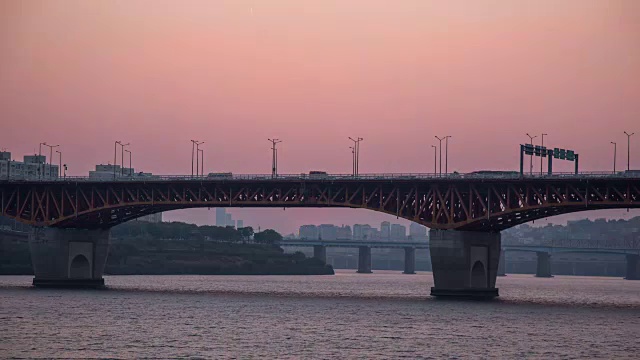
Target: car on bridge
224 175
318 174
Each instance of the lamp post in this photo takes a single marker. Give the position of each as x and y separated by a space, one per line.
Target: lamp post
353 160
65 171
115 158
446 154
201 151
531 157
194 143
440 147
130 168
122 157
198 143
50 156
59 163
40 167
615 148
274 161
542 145
356 145
435 160
628 149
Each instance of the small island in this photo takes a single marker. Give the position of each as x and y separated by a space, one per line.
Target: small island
171 248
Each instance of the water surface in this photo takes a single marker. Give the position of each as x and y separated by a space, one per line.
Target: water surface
380 315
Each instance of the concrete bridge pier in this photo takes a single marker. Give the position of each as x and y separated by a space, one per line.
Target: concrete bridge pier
364 260
502 264
633 267
465 263
543 265
68 257
320 252
409 260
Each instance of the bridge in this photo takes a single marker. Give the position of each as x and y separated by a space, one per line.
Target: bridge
465 212
629 249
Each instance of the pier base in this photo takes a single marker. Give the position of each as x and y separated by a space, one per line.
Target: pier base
465 263
364 260
409 260
543 265
633 267
69 257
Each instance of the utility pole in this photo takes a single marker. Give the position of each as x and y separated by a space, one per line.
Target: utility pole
440 147
274 161
435 160
356 145
615 148
628 149
542 145
531 157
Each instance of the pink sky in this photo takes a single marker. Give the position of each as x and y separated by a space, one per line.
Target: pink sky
232 73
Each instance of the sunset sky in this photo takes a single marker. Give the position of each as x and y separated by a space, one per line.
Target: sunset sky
233 73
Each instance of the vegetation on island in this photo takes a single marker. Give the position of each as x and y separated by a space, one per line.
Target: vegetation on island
139 247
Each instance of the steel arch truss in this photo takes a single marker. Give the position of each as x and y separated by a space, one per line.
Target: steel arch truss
445 204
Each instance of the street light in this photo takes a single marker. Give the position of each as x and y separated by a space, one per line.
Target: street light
60 163
130 168
440 146
40 168
446 154
115 158
201 151
628 149
193 147
274 162
615 148
50 155
356 145
435 160
353 160
531 158
198 155
122 158
542 145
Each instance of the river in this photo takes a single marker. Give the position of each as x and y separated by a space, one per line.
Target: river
363 316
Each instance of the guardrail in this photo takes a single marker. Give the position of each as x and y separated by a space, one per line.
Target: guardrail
331 177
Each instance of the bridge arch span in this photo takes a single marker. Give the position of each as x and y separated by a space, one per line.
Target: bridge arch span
488 205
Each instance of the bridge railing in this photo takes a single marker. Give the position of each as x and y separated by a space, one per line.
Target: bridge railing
333 177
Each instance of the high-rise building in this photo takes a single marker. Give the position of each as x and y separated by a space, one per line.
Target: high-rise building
385 230
309 232
230 221
344 233
328 232
239 224
221 217
398 232
417 232
361 232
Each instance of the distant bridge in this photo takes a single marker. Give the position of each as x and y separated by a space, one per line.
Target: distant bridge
630 248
